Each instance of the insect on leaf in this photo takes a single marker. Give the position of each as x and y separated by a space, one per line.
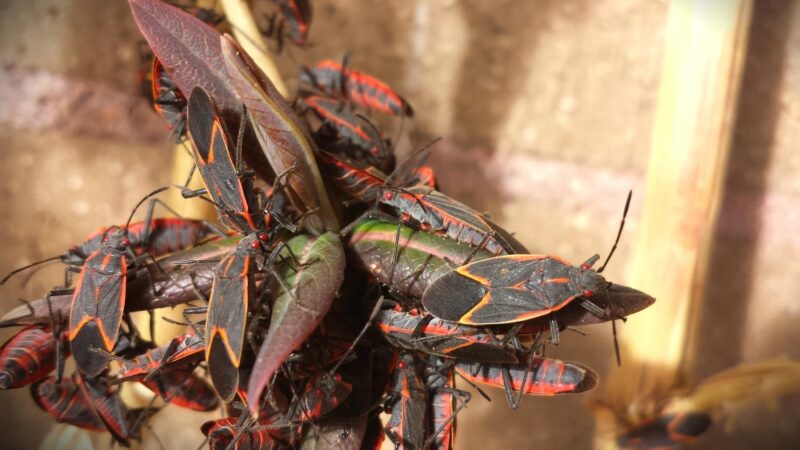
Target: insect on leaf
285 142
190 52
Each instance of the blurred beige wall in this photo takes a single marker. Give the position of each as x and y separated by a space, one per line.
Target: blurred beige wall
546 108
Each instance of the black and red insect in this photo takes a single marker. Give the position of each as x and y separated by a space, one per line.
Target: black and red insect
516 288
407 425
184 350
665 431
157 85
357 179
436 337
322 394
232 433
66 402
99 303
445 402
234 289
335 79
293 19
167 100
182 387
105 400
512 288
154 237
168 372
349 134
233 292
234 200
29 356
438 213
418 204
442 410
533 376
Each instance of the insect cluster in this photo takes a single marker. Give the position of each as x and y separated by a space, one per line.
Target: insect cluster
308 330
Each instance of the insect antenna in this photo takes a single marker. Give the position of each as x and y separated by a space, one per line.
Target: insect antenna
416 159
619 232
600 270
23 268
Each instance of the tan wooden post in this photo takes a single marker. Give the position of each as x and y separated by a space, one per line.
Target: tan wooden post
706 41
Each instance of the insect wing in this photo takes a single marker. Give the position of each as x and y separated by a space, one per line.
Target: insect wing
406 425
504 289
108 406
66 402
227 313
97 307
213 159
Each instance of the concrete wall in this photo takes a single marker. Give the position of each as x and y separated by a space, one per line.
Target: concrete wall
546 109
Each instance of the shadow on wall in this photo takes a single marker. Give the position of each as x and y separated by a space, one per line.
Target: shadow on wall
720 331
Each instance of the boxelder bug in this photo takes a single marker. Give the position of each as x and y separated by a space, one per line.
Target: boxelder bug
212 157
232 433
231 295
350 134
442 409
428 208
536 376
516 288
234 287
665 431
154 237
334 79
108 406
409 402
176 279
168 100
358 180
156 84
440 214
66 402
296 14
168 372
436 337
98 303
181 387
511 288
184 350
27 357
323 393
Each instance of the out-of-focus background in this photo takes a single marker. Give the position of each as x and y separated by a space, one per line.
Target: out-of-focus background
546 109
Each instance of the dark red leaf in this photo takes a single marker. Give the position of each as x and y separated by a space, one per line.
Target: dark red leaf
285 140
190 51
295 316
